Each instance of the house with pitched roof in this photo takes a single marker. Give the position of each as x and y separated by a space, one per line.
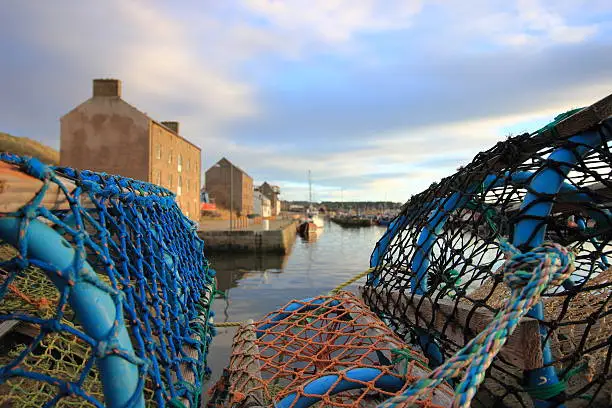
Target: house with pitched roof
107 134
272 192
230 187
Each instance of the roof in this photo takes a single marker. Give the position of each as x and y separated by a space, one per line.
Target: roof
274 188
173 132
137 111
223 159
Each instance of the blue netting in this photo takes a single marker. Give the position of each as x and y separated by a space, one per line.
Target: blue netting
113 288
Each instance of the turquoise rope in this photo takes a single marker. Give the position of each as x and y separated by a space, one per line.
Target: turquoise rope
527 275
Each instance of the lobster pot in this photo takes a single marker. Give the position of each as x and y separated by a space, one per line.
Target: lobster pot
104 291
330 351
438 277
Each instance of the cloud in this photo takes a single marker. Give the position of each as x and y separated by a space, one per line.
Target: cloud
398 163
541 25
375 97
162 68
335 21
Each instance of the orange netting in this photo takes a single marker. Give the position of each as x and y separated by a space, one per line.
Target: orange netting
330 351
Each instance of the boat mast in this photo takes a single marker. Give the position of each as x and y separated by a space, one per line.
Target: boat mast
309 190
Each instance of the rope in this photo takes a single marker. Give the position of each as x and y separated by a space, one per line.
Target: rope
350 281
42 304
527 275
228 324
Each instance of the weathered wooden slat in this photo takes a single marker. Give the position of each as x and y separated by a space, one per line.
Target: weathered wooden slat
27 329
585 119
18 189
579 122
458 322
7 326
245 371
600 189
186 371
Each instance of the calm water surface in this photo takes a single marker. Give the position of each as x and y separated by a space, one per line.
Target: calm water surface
255 285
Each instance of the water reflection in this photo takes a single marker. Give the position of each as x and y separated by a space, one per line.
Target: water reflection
231 268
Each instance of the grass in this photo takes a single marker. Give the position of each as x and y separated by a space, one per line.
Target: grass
24 146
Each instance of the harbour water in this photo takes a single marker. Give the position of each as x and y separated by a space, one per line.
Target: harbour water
257 284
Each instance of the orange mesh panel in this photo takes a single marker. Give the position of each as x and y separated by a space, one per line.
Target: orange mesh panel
329 336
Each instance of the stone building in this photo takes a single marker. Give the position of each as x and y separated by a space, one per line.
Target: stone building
224 177
272 192
261 204
107 134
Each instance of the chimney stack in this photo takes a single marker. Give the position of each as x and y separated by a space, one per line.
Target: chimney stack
173 126
107 87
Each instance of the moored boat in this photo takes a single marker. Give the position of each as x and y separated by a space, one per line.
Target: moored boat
354 221
306 228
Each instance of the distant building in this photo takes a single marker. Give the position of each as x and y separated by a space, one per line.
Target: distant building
107 134
261 204
225 176
272 192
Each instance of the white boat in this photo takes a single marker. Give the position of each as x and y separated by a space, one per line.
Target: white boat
312 213
314 216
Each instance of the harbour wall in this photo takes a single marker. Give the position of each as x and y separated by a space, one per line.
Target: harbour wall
278 240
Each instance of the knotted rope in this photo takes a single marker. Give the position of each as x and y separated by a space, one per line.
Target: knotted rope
527 275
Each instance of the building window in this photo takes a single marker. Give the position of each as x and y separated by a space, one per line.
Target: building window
170 157
188 164
157 177
158 152
169 180
179 187
187 183
179 162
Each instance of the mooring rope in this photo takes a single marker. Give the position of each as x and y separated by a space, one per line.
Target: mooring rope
228 324
527 275
350 281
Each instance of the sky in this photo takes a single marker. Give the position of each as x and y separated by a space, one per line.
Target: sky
377 98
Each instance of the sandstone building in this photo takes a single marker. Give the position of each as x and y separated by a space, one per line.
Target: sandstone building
107 134
223 178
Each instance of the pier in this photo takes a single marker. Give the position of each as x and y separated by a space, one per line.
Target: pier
248 237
